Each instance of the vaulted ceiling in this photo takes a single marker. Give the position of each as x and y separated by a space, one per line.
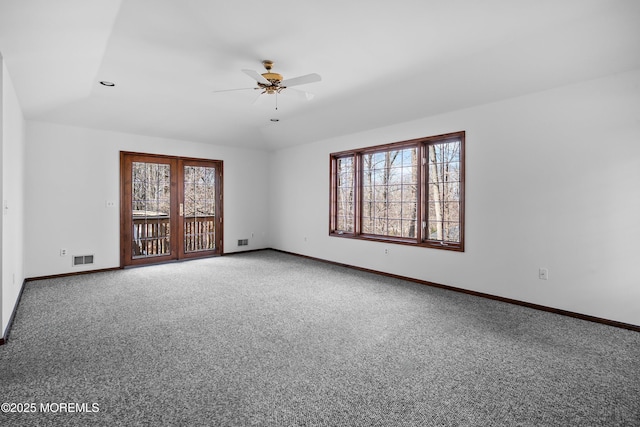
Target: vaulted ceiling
381 62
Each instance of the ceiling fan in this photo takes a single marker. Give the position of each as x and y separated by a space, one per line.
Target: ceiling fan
271 83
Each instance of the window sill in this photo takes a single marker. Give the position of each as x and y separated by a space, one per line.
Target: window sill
401 241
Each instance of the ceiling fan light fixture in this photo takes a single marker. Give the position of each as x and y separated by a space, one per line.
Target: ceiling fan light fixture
271 89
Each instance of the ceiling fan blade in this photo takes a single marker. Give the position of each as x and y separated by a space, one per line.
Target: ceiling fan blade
299 93
233 90
309 78
256 76
258 99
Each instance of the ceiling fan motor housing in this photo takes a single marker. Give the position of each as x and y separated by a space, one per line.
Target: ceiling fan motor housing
272 77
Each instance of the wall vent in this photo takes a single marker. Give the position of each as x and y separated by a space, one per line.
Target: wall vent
82 259
243 242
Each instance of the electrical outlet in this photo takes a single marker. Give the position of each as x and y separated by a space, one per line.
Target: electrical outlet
109 203
63 252
386 251
543 273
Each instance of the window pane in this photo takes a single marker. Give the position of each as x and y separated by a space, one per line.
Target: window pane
443 192
199 208
408 228
394 227
150 193
409 211
345 212
389 184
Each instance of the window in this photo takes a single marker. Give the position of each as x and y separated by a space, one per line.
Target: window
345 193
410 192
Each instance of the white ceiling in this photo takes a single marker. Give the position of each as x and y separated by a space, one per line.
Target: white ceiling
381 62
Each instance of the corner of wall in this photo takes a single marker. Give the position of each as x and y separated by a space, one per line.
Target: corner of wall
12 161
2 330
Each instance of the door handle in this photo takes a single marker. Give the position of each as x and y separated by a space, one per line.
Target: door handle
181 209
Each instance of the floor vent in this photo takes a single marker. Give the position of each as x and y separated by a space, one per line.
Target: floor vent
82 259
243 242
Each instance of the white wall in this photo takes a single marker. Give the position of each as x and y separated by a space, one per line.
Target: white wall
551 181
72 172
12 142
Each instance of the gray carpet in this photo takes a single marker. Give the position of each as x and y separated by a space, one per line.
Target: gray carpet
266 338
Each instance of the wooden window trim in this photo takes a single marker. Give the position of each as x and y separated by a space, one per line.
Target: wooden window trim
420 240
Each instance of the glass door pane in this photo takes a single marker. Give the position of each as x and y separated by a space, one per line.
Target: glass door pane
199 208
151 209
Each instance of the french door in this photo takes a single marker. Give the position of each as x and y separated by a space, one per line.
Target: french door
171 208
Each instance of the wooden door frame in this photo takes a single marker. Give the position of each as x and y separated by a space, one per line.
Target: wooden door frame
176 221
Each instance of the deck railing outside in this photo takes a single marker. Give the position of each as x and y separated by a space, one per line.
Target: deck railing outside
151 234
